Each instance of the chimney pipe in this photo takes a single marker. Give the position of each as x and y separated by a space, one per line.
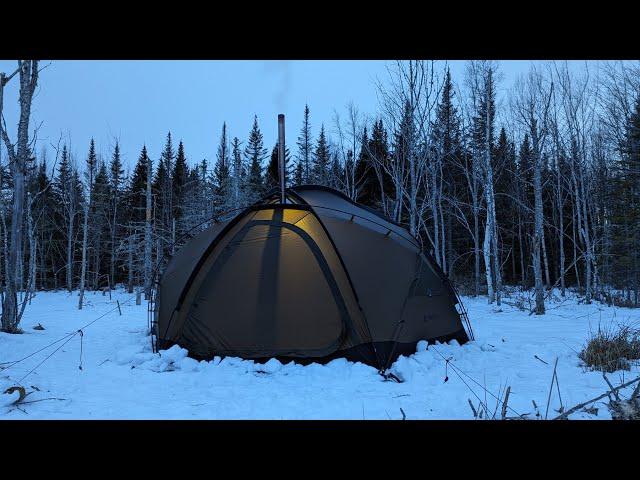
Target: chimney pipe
281 158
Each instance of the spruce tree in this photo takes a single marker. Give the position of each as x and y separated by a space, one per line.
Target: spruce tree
164 191
378 184
238 175
222 177
138 187
336 174
272 175
625 210
321 160
254 154
99 236
116 187
298 177
179 181
366 178
304 157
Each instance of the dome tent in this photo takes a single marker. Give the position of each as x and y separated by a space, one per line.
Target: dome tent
312 279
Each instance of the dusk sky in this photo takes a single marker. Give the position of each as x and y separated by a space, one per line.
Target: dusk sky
138 102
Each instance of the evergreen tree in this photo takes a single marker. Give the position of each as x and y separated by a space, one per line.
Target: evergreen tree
238 175
298 177
321 160
366 178
179 181
379 184
625 210
525 171
117 172
336 174
138 187
304 158
272 175
157 187
487 101
164 194
222 176
254 154
447 148
115 213
99 231
39 186
403 154
67 196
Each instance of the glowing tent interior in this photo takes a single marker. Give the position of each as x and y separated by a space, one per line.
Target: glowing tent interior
305 274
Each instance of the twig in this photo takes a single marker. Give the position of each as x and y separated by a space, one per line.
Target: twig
506 402
553 377
475 413
404 417
582 405
42 400
538 358
495 411
615 392
536 408
559 396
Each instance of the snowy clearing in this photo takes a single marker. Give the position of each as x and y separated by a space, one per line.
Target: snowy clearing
122 379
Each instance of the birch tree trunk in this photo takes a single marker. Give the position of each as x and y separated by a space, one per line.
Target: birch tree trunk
537 236
70 237
130 262
85 235
148 245
560 207
486 253
18 157
545 260
490 222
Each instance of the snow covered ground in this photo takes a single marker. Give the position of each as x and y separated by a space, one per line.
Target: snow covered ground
122 379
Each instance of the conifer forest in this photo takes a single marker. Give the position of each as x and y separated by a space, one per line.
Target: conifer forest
532 184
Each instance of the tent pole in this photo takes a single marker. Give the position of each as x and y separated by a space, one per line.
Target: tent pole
281 158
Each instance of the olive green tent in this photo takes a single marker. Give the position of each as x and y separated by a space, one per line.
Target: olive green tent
315 278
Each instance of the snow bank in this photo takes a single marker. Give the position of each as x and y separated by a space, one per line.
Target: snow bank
122 378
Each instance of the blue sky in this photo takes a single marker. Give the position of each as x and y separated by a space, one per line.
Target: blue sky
140 101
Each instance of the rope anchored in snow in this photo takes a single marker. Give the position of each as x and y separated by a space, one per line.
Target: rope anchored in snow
446 369
65 339
81 337
457 371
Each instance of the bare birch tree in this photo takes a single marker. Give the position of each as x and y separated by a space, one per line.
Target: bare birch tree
531 101
19 155
91 166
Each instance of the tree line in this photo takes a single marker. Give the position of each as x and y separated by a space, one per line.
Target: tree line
535 184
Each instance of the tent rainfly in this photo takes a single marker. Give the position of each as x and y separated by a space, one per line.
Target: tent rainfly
310 279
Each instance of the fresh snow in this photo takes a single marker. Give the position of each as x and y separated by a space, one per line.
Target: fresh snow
121 378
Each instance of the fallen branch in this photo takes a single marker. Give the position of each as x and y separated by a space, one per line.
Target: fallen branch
584 404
